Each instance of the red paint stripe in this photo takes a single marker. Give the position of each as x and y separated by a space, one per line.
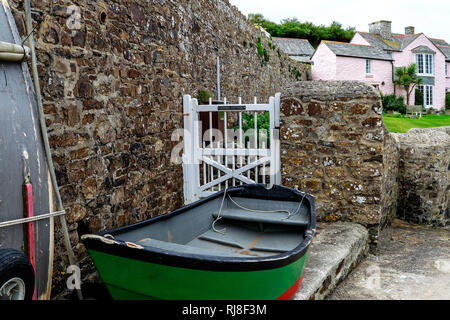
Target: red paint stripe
31 242
292 290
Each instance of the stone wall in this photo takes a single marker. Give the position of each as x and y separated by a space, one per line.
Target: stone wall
390 185
424 176
112 80
333 146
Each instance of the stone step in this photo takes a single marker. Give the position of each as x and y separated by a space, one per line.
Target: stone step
336 249
412 263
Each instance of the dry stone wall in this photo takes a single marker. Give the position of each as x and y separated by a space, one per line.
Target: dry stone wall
333 146
424 176
113 74
390 185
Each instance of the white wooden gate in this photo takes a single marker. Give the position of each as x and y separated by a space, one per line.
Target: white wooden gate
240 152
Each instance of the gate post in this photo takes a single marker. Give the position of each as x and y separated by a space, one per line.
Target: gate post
191 167
276 138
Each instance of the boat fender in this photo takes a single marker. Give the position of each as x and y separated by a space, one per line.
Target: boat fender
109 239
102 239
133 245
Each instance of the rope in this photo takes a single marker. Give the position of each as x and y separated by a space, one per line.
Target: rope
35 218
270 211
219 217
252 210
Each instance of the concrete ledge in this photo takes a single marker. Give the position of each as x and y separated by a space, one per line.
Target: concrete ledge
336 249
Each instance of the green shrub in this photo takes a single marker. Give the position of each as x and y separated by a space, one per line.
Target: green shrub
262 52
262 122
266 56
393 103
203 96
260 47
447 100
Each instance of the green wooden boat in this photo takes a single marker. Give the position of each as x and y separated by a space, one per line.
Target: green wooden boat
247 242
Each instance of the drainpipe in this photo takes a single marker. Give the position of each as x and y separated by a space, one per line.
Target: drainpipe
393 77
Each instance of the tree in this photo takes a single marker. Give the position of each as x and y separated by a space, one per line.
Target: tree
294 28
406 77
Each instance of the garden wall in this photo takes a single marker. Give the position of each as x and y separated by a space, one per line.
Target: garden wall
113 74
335 146
424 176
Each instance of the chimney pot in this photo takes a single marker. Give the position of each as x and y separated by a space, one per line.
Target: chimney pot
409 30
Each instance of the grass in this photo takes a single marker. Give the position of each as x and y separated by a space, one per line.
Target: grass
401 124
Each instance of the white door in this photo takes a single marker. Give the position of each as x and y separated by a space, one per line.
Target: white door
428 95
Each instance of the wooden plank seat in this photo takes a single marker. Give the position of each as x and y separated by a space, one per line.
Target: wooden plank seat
263 217
242 238
169 246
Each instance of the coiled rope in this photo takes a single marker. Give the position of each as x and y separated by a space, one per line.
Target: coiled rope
222 231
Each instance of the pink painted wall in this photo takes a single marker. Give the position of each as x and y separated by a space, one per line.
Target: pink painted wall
348 68
358 39
324 67
407 57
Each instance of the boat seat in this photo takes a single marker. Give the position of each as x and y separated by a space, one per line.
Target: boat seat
263 217
252 240
169 246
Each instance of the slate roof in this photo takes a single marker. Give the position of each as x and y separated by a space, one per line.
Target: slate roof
439 42
398 43
423 49
444 46
404 40
294 47
358 51
375 40
445 50
401 41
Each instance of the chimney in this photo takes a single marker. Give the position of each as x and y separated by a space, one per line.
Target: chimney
383 28
409 30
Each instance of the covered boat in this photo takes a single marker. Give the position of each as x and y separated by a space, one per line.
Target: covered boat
29 188
246 242
22 161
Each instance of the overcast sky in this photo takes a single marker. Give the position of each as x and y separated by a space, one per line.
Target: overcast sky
432 17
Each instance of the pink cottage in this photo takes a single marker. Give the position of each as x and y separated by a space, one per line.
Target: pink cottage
372 56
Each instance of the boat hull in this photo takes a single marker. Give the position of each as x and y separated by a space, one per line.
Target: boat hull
161 258
22 150
146 280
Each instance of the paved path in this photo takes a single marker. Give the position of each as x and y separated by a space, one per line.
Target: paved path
413 263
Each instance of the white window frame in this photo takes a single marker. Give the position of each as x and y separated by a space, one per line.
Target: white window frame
368 67
425 64
428 95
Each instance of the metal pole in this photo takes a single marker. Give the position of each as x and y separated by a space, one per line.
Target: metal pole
218 78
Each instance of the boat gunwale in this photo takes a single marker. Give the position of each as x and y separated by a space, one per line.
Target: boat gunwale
202 261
